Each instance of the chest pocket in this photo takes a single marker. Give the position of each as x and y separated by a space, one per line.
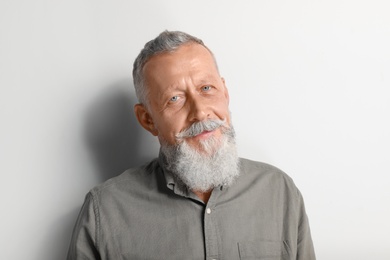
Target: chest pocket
264 249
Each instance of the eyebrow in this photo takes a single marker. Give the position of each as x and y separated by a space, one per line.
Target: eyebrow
205 79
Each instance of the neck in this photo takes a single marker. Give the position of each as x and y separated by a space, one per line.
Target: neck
204 196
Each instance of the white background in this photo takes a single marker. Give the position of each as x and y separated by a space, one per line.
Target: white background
309 84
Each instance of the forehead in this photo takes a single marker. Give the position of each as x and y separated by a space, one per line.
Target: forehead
188 59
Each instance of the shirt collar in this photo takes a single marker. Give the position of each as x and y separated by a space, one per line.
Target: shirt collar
172 182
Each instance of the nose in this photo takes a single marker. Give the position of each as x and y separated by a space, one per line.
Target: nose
199 109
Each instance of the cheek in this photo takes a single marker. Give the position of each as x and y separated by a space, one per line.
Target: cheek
222 108
168 127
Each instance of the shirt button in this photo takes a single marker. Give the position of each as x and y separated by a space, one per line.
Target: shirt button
208 210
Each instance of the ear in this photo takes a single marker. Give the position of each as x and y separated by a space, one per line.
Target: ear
226 90
145 119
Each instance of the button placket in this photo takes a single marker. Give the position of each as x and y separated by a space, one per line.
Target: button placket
210 227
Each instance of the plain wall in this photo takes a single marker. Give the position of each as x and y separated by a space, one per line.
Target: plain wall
309 84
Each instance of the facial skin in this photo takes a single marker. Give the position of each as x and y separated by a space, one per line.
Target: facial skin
184 87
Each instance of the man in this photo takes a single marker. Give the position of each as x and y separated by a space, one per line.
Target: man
198 200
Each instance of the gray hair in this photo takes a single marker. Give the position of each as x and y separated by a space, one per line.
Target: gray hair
167 41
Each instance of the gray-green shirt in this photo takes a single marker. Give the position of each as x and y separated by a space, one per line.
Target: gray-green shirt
145 213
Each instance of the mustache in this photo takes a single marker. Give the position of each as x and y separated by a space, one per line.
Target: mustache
199 127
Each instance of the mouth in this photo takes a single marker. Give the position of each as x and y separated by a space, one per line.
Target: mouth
204 135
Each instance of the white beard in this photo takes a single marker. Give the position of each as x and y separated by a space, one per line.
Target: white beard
216 165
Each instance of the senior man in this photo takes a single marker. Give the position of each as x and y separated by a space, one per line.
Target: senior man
197 200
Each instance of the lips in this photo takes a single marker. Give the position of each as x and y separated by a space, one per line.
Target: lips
205 134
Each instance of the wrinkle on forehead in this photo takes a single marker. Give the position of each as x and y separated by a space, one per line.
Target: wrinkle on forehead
190 64
186 57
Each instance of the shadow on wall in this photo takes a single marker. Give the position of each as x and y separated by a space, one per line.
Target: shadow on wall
116 142
113 135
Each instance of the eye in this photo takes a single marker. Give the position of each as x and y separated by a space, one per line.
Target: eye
206 88
174 99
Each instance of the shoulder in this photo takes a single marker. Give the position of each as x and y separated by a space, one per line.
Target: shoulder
249 167
267 175
133 179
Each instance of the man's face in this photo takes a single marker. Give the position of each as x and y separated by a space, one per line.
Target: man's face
184 87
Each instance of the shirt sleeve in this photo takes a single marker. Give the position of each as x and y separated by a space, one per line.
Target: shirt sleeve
83 244
305 248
